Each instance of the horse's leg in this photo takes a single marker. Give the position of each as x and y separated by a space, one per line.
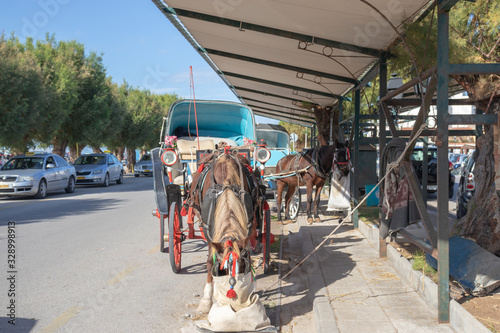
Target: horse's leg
281 185
317 197
208 291
309 186
288 199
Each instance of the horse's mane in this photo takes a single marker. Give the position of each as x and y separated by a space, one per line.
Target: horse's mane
230 213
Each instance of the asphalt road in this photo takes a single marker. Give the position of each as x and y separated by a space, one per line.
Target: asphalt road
90 262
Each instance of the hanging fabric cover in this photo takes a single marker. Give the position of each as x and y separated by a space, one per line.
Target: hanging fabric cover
340 192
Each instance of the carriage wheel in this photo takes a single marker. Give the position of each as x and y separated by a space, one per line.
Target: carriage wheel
162 233
174 239
295 202
266 241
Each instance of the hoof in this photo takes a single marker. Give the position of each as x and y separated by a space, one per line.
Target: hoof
317 220
310 220
204 306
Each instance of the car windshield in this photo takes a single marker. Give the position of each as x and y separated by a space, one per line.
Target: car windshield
24 163
85 160
145 158
418 154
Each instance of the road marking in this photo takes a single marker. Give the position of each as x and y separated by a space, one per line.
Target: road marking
61 320
120 276
154 250
15 206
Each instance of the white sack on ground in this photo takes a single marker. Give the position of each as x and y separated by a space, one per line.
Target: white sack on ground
340 193
245 313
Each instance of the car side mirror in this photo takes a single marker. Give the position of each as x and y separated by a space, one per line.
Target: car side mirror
50 166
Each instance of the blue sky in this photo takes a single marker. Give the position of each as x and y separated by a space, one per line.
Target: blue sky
137 41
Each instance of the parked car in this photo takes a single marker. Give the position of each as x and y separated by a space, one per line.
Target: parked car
36 175
466 185
98 169
417 158
144 166
457 160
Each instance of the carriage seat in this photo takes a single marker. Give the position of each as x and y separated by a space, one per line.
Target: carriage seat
187 149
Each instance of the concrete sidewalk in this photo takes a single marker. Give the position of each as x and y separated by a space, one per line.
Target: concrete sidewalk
353 290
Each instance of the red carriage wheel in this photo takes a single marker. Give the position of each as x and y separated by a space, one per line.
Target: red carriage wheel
266 240
175 237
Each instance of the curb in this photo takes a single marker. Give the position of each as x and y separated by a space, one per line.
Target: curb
460 319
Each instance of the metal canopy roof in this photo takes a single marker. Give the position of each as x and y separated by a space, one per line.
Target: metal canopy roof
276 55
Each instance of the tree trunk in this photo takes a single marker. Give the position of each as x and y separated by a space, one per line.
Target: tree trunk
482 222
130 158
97 150
59 148
322 116
74 153
119 152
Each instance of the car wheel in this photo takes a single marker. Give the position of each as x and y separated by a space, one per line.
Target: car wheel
451 191
106 180
461 211
71 185
120 179
42 190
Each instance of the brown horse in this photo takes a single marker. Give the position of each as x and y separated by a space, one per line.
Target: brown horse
224 195
313 167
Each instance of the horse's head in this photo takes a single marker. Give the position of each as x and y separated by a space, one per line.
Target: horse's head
342 159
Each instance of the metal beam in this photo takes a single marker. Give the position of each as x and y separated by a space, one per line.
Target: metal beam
446 5
418 102
473 69
443 71
282 85
473 119
357 109
302 112
282 116
267 94
282 66
272 31
299 116
408 85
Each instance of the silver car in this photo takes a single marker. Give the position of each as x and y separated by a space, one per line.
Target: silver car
98 169
36 175
144 166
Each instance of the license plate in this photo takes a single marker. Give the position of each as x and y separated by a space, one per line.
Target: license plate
432 187
146 170
4 186
80 178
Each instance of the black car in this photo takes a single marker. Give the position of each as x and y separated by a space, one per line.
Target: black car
417 158
466 186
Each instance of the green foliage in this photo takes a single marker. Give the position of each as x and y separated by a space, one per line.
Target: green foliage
56 93
474 37
24 99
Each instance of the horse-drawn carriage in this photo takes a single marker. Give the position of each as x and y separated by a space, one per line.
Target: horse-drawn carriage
277 140
201 144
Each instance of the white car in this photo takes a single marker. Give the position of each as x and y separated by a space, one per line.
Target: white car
144 166
36 175
98 169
